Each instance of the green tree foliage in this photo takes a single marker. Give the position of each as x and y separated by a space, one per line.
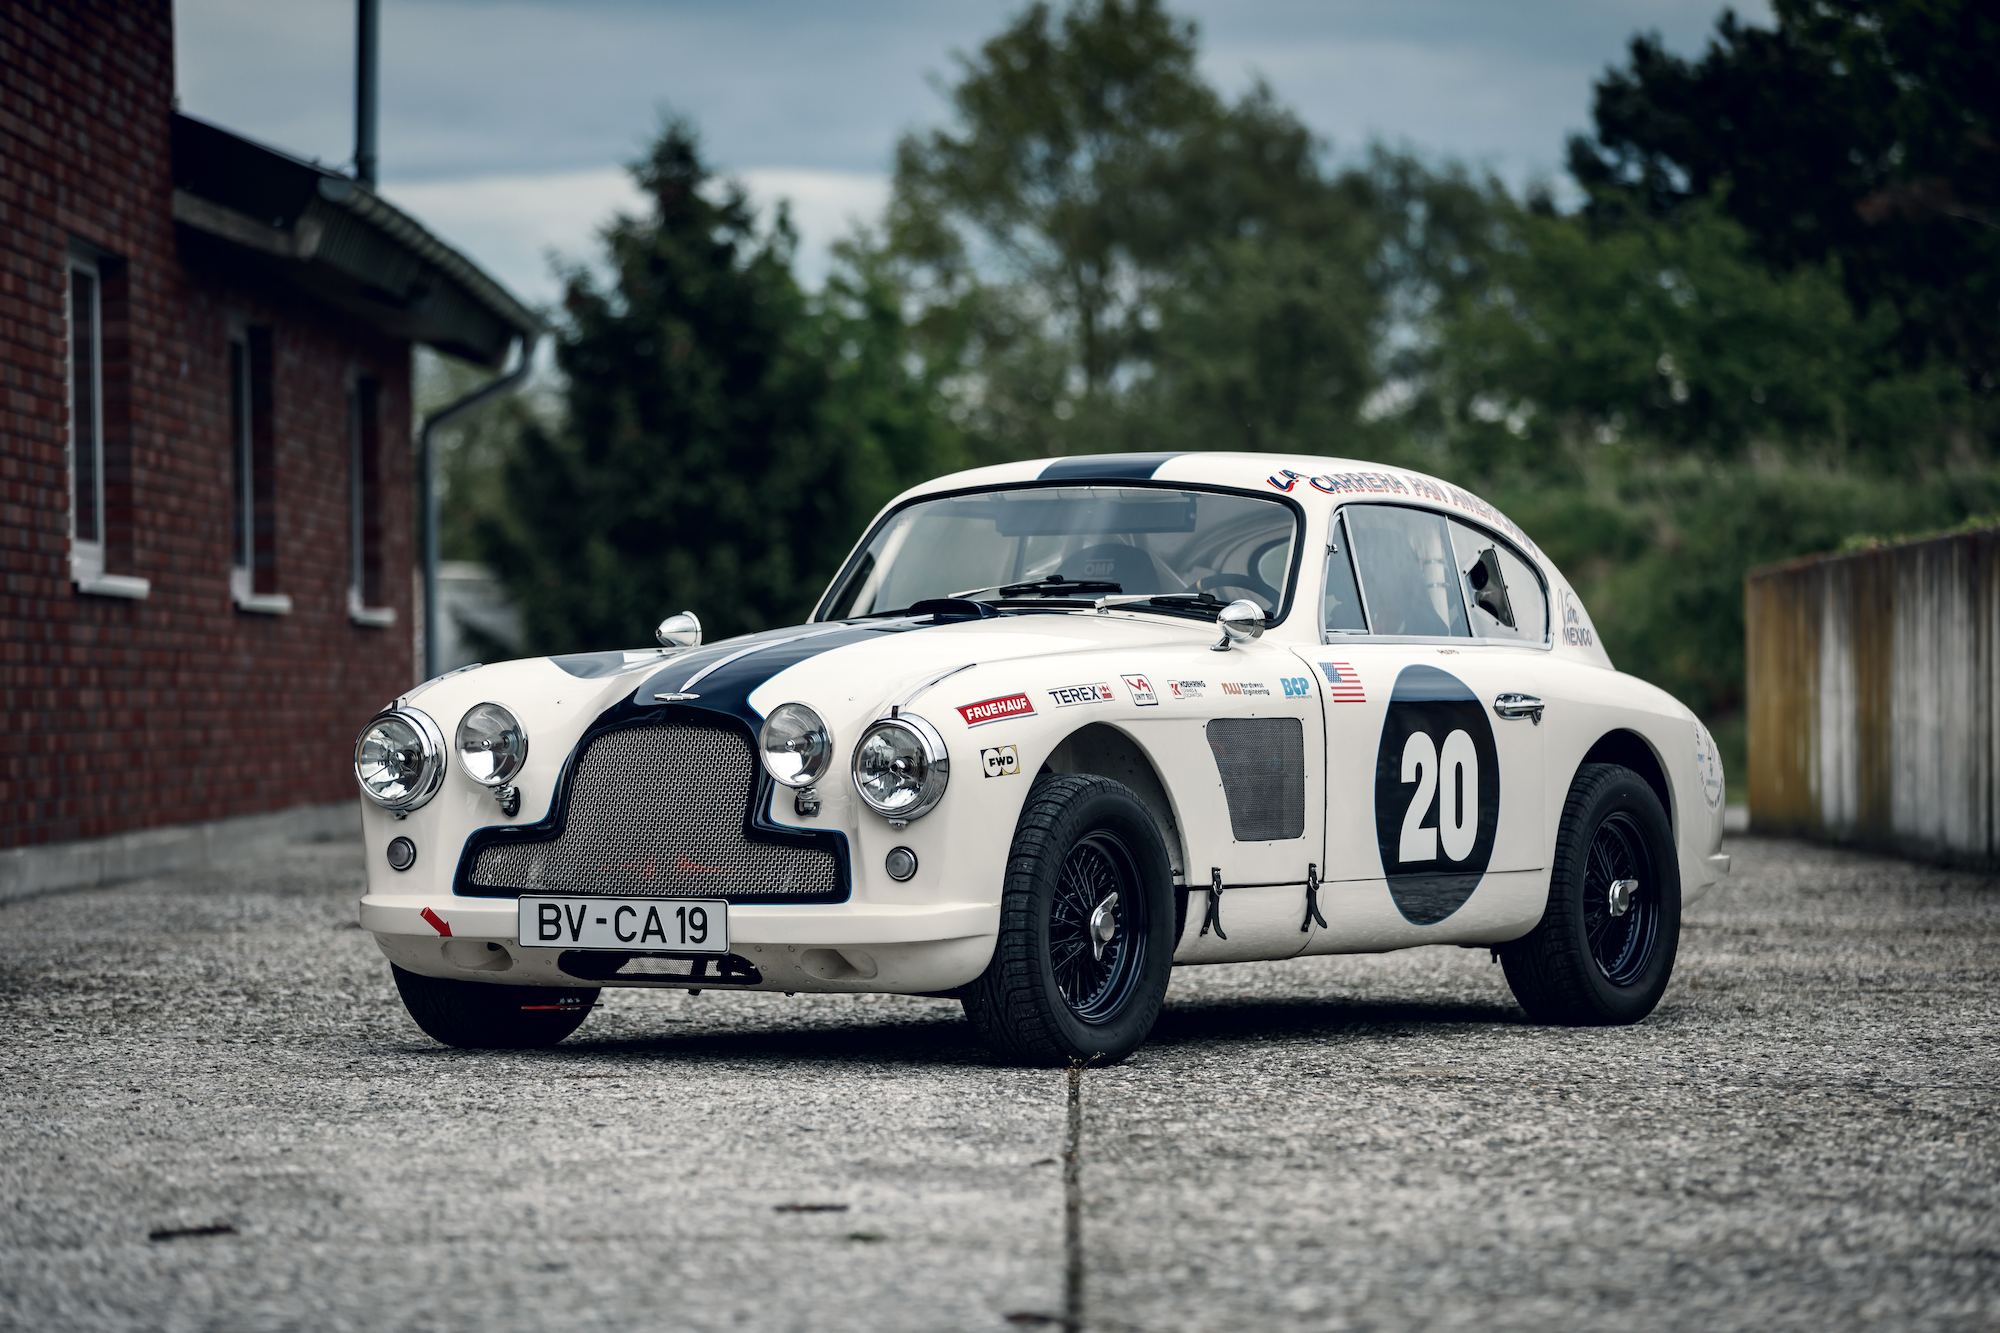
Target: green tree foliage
724 437
1863 134
1109 255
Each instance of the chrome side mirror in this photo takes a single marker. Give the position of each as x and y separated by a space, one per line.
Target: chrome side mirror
681 631
1241 621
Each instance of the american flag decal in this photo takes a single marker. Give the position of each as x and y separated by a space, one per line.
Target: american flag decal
1343 683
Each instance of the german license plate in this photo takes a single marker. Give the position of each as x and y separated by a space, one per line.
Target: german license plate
629 925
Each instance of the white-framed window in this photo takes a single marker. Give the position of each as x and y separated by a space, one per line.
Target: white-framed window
364 434
252 523
83 311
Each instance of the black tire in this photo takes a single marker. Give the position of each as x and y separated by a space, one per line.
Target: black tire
1049 997
482 1016
1583 966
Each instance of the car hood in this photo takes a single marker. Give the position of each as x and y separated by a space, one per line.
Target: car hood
864 667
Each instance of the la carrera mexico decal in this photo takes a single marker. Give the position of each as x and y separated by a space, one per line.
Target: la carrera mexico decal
1437 794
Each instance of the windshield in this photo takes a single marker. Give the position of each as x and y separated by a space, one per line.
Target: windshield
1131 540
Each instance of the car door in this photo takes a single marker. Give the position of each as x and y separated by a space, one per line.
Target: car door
1435 771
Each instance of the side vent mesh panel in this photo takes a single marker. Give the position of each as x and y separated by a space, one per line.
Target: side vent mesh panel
1263 765
657 812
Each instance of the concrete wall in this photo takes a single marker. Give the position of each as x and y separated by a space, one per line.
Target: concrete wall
1872 681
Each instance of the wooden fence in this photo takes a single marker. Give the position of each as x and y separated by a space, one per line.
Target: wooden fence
1872 689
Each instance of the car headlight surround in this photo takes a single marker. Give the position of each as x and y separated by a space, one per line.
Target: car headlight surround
492 744
795 746
399 759
901 767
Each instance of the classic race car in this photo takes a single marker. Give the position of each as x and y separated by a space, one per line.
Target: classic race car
1055 728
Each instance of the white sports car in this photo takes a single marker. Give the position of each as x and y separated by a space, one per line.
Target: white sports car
1055 728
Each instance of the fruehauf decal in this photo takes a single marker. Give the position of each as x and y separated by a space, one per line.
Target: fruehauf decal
1437 794
997 709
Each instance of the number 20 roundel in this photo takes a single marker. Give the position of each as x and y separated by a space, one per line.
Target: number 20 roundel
1437 794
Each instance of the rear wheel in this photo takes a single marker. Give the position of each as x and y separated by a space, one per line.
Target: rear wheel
1605 947
1086 929
479 1015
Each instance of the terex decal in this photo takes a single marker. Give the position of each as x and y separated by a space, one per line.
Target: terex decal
1437 794
996 710
1142 690
1082 694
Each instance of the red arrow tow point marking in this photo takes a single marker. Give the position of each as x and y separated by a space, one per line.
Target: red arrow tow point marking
438 923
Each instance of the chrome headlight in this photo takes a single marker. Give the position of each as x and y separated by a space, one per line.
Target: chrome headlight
900 767
399 759
492 747
795 745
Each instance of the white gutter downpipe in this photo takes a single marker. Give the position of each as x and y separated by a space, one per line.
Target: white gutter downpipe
427 482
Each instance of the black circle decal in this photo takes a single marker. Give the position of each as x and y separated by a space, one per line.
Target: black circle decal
1437 794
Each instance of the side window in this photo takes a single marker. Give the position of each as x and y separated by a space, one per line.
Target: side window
1341 609
253 574
1503 591
1408 570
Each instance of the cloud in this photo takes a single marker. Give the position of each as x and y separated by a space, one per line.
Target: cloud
514 225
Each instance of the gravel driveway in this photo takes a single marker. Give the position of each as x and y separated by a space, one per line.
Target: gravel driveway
1802 1137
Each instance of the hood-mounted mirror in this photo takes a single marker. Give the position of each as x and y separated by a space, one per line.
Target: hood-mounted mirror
681 631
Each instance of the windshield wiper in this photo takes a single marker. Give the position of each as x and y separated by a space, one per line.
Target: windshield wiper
1204 603
1055 585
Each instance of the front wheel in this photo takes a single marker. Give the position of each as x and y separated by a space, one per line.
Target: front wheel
1086 929
480 1015
1605 947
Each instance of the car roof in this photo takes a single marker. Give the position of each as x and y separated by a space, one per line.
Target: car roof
1302 477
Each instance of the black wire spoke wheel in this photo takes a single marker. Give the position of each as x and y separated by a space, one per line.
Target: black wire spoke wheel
1621 944
1585 963
1086 940
1096 981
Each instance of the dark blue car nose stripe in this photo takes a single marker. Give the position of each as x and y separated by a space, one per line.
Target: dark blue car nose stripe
727 688
1106 467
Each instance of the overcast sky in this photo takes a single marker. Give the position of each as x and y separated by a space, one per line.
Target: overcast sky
506 123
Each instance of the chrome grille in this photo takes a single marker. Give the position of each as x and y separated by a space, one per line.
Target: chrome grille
657 812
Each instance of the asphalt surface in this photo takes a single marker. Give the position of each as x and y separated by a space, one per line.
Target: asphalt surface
1803 1136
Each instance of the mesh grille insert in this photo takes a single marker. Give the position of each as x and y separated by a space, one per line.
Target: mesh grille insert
1263 765
657 812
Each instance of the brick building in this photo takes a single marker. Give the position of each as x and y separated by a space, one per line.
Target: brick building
206 482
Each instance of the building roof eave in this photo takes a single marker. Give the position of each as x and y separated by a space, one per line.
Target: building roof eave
326 234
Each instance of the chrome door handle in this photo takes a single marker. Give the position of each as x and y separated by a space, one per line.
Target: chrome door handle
1514 707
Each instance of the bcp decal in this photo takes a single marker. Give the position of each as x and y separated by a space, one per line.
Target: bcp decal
1186 689
1343 683
996 710
1437 794
1000 761
1142 690
1245 687
1082 694
1296 687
